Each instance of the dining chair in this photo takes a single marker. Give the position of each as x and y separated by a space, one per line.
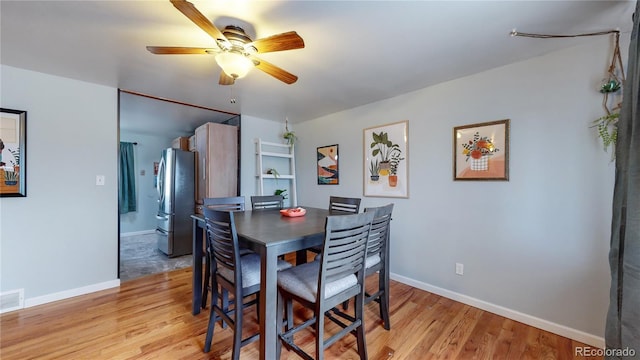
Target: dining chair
266 202
239 275
231 203
343 205
339 206
377 260
321 285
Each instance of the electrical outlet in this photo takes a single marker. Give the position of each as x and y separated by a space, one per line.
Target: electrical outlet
100 180
459 269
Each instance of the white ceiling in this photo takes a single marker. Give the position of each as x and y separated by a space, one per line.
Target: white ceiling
356 52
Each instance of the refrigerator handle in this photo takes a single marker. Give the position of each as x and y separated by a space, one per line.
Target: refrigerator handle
160 180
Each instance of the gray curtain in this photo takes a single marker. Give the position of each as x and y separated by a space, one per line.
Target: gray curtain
127 181
623 318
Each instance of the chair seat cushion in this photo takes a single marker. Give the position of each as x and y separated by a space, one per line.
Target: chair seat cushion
302 280
250 269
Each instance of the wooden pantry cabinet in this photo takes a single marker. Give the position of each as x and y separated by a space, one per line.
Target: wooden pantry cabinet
181 143
217 161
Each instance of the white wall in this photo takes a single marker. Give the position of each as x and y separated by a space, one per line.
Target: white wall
534 248
62 238
148 151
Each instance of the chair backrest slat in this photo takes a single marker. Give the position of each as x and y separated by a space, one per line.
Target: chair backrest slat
266 202
379 235
222 241
345 245
343 205
231 203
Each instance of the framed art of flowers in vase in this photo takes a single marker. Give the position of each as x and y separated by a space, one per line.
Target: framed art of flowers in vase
481 151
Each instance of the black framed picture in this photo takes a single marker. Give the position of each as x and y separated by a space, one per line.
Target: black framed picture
328 172
13 153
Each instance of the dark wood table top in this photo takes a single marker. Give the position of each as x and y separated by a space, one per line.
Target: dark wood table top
269 228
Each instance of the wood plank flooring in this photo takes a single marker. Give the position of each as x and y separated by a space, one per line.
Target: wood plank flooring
150 318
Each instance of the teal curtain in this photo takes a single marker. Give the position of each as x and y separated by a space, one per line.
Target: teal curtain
127 181
623 318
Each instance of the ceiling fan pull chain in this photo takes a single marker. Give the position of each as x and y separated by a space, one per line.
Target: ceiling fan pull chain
232 99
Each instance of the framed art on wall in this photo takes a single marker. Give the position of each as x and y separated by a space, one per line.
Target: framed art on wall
481 151
386 160
13 151
328 172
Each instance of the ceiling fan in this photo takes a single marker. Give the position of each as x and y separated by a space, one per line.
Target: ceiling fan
235 51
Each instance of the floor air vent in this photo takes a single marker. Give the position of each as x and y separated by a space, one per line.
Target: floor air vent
11 300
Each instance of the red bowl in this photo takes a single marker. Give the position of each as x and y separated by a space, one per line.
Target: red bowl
293 212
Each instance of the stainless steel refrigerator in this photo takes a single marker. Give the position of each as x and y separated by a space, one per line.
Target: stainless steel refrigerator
176 204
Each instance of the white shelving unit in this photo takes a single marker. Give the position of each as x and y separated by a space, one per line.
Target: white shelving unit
274 153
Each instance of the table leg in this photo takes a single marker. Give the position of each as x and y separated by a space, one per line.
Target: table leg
196 299
268 303
301 257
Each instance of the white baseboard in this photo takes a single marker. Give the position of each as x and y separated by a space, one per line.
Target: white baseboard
142 232
546 325
39 300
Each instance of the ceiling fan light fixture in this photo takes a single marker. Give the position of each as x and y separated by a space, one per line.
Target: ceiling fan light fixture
234 64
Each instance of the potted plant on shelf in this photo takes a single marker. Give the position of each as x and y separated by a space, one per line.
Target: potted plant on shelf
273 172
282 192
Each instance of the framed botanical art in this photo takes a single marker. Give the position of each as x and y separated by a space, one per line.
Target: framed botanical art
327 159
386 159
481 151
13 151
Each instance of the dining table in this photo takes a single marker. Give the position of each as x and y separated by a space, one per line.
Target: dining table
270 234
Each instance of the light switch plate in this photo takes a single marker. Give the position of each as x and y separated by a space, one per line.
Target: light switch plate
100 180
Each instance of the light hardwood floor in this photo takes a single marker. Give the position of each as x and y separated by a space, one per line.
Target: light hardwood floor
150 318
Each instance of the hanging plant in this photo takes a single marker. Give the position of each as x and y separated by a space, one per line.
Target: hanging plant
607 127
290 136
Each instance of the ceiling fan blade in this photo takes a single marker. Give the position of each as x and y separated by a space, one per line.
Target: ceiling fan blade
173 50
285 41
225 79
274 71
196 16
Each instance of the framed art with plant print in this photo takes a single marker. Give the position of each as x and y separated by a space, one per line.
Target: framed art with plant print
386 160
481 151
328 165
13 150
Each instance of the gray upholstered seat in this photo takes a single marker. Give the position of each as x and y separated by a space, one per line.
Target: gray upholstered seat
250 269
321 285
302 281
